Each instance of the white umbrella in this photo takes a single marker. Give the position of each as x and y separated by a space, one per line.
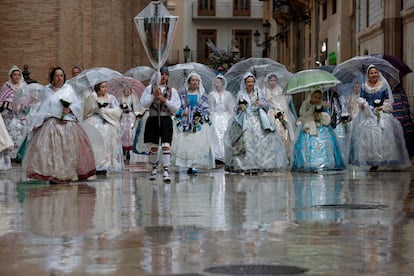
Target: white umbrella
141 73
87 79
259 67
179 73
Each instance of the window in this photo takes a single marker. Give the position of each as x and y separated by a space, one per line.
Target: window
325 10
333 6
244 42
241 7
206 7
202 49
277 4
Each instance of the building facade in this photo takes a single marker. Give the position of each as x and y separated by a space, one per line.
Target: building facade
87 33
302 33
340 29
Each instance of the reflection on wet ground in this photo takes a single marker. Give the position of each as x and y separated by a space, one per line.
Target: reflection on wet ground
347 223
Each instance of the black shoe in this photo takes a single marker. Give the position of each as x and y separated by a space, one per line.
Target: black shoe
103 172
192 171
373 169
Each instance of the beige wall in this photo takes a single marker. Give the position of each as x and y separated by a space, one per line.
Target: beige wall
408 52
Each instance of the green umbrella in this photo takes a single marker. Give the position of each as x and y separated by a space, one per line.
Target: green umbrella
311 79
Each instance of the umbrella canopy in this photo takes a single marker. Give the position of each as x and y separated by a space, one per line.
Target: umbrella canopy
328 68
345 71
141 73
120 85
310 79
396 62
87 79
156 28
180 72
27 95
259 67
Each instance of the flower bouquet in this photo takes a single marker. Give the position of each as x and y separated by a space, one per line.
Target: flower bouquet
197 121
378 109
281 117
317 115
65 103
243 104
345 120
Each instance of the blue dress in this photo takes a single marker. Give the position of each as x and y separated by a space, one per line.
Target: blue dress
251 142
316 147
377 137
191 146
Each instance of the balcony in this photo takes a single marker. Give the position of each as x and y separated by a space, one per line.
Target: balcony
225 11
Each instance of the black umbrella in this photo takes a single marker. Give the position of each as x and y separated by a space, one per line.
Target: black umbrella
396 62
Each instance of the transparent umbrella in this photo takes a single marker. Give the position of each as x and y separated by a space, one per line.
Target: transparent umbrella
119 85
259 67
87 79
156 28
307 80
27 96
345 71
141 73
180 72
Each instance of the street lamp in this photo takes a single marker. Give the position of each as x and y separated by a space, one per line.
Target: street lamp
266 42
268 39
187 52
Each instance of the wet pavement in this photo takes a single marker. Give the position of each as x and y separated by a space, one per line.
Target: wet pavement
346 223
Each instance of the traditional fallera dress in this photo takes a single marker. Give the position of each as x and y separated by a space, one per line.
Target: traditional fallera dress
132 113
59 149
401 111
251 140
222 110
104 114
6 143
316 147
281 112
15 120
349 110
191 145
377 137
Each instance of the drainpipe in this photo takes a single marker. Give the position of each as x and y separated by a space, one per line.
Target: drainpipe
317 31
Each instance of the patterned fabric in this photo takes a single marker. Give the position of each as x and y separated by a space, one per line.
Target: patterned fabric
6 144
131 108
401 111
221 110
198 111
191 145
377 138
321 152
107 121
59 149
316 147
15 120
248 147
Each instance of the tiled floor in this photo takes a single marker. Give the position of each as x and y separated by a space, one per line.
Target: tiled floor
348 223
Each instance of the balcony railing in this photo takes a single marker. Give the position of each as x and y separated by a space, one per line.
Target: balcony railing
225 11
